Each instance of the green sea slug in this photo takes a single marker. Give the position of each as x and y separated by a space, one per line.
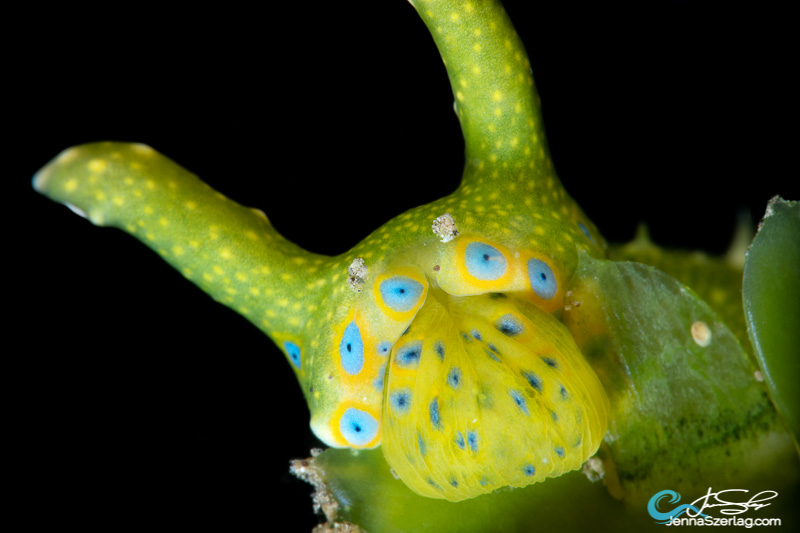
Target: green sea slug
480 340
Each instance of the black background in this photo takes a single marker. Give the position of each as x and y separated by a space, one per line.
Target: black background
142 401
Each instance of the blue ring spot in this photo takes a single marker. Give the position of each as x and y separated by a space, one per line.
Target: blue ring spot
492 356
529 470
401 293
293 351
543 281
408 355
358 427
472 440
509 325
535 381
460 440
378 383
559 451
585 231
484 262
384 348
439 348
454 377
519 399
401 400
351 349
433 409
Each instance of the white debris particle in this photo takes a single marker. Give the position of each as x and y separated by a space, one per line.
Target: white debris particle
445 227
593 469
701 333
357 274
759 376
309 471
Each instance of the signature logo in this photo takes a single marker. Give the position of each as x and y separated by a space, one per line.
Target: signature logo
730 502
664 518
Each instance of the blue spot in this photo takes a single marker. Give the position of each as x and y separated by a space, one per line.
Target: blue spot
358 427
351 349
519 400
550 362
543 281
534 380
433 409
564 393
466 337
379 382
492 356
476 334
439 349
493 348
422 448
401 293
554 416
578 442
559 451
433 484
384 348
585 231
484 262
472 440
483 481
453 482
460 440
409 354
454 377
293 351
529 470
509 325
401 400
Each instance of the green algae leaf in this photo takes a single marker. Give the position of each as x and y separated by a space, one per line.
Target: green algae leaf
771 296
688 409
715 279
369 496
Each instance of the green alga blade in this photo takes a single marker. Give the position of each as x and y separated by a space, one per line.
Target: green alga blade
688 409
715 279
771 296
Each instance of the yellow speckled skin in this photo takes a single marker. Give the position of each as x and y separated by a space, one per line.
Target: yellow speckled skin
448 354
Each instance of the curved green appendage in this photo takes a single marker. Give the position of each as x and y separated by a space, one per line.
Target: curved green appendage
230 251
684 395
490 74
509 182
771 294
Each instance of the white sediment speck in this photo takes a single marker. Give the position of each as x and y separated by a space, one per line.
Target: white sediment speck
357 274
445 227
